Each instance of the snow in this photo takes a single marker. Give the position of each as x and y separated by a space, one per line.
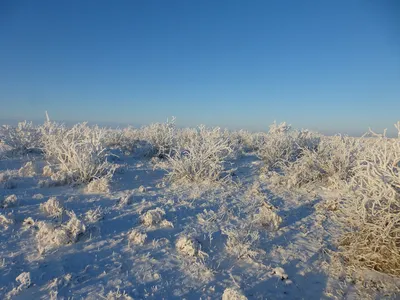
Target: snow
142 237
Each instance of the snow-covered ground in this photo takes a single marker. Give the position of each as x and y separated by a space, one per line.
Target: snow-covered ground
150 239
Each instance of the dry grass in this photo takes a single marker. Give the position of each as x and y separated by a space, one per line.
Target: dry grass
8 179
199 157
53 208
99 186
282 145
189 246
28 170
23 138
51 236
267 217
5 221
331 163
78 151
135 237
233 294
153 217
241 241
9 201
94 215
371 212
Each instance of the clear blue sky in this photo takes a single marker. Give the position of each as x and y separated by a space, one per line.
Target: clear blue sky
327 65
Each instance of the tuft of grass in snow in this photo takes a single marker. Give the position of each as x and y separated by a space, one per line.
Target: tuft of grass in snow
94 215
153 217
50 236
24 282
135 237
189 246
98 186
8 179
117 295
267 217
233 294
28 223
5 221
53 208
28 170
9 201
47 171
241 241
126 200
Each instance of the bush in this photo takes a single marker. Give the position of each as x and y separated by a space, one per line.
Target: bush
78 151
125 139
199 156
162 137
282 145
23 138
371 212
331 163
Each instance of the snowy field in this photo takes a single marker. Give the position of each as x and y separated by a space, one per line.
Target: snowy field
165 213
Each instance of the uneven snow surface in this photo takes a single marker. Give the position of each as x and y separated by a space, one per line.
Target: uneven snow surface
148 239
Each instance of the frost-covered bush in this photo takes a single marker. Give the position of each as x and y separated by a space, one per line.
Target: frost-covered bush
331 163
78 151
276 146
200 156
371 211
282 145
161 136
244 139
248 141
114 138
23 138
125 139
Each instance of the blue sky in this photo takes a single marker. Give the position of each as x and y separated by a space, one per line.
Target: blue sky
333 66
